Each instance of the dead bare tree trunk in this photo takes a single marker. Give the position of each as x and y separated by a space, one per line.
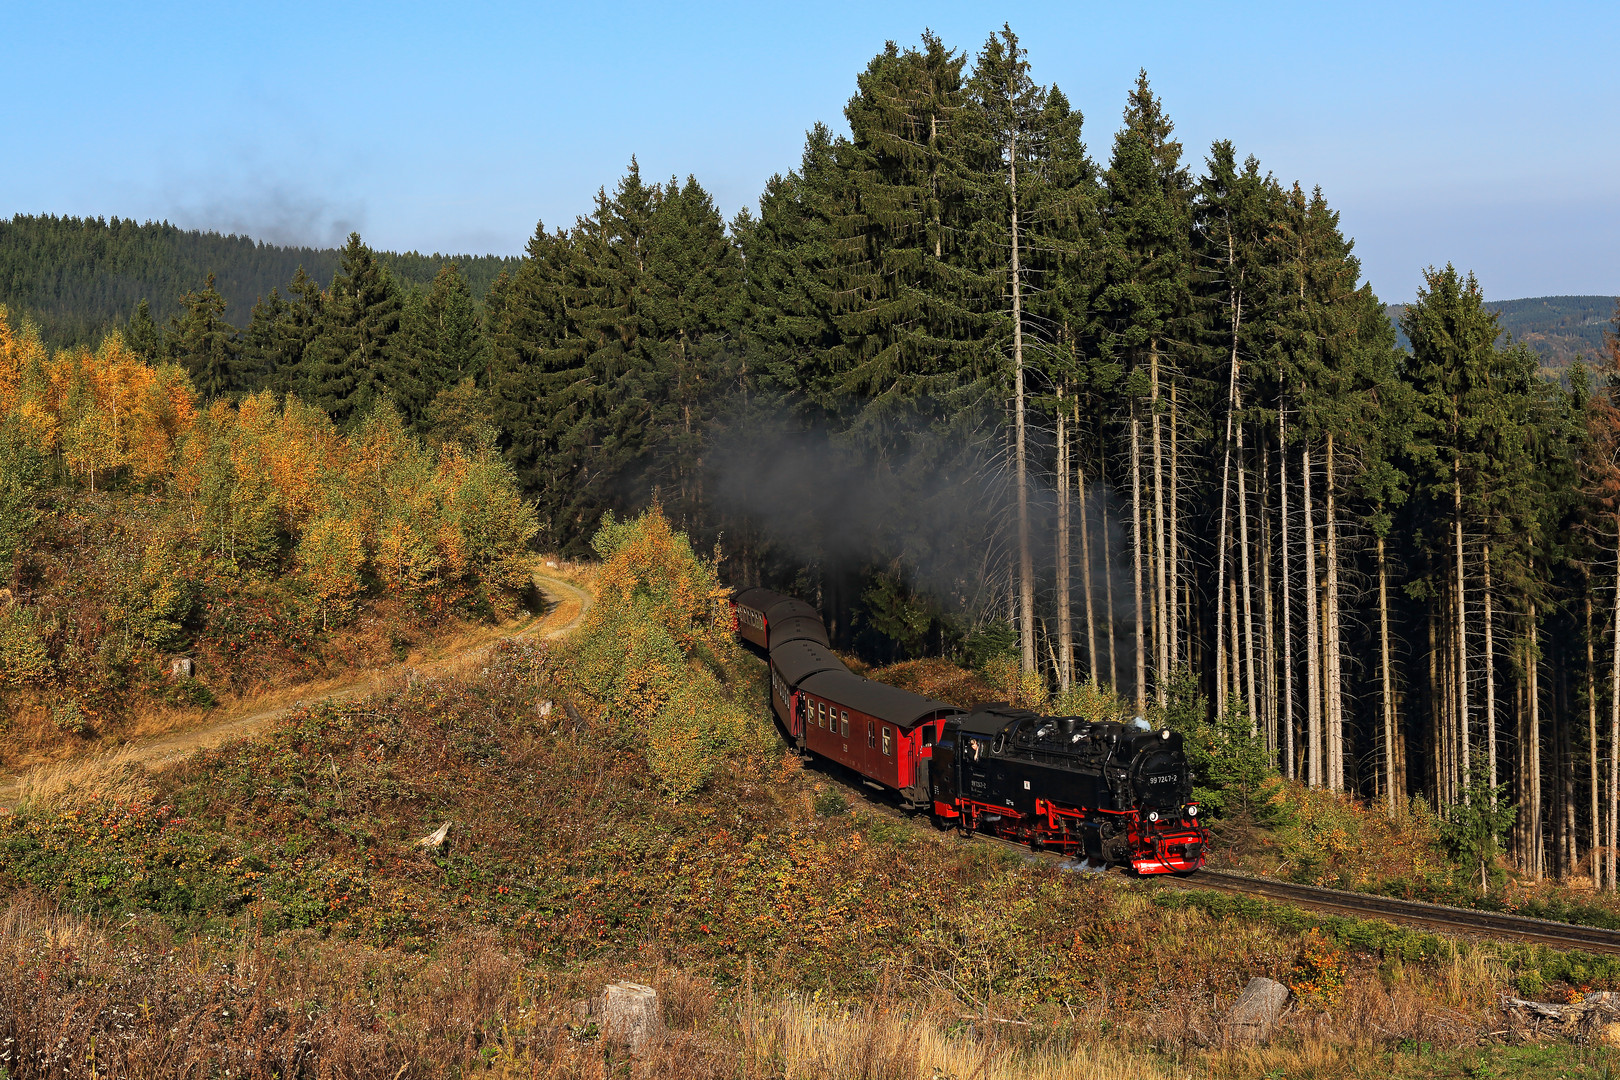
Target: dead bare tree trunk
1392 783
1232 612
1287 594
1461 632
1614 737
1173 527
1108 586
1026 565
1065 623
1533 658
1333 671
1439 693
1592 743
1248 588
1267 615
1568 850
1448 705
1085 559
1490 674
1226 487
1136 558
1313 644
1161 595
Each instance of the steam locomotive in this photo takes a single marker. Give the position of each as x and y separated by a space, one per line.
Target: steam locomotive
1106 793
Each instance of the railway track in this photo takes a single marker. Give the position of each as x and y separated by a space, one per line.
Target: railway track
1451 920
1414 912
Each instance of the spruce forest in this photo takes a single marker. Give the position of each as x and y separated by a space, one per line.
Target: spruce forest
978 378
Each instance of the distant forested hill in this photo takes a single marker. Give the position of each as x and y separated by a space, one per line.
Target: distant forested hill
77 277
1558 328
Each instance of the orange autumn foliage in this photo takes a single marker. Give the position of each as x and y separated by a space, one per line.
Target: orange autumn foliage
271 484
100 411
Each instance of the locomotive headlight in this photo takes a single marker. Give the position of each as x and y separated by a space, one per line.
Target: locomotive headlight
1165 734
1153 815
1192 811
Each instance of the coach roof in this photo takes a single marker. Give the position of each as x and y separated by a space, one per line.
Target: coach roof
761 600
797 660
773 605
876 699
788 608
797 628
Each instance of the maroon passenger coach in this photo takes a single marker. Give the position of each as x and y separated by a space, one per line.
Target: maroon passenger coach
1109 792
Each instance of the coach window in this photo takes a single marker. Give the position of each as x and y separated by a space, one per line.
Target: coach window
888 742
871 733
843 724
821 714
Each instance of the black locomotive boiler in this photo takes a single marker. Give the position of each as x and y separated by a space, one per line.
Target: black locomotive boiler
1112 793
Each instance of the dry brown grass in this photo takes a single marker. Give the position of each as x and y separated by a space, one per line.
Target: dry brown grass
128 997
118 776
135 1000
800 1039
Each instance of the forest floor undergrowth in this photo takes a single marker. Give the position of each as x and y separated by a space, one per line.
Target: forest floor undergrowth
268 906
267 902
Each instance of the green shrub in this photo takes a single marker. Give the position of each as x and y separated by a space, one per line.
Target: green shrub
1475 828
189 692
24 657
1530 984
70 718
830 801
657 658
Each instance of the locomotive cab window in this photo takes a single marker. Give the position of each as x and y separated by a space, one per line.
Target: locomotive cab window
888 741
843 724
928 735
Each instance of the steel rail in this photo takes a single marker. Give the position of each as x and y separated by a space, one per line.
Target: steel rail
1365 905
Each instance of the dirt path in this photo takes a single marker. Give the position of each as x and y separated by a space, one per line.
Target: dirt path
569 603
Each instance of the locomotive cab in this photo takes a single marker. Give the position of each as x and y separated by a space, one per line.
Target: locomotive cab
1092 789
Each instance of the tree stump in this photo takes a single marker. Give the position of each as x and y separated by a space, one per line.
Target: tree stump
630 1014
1256 1011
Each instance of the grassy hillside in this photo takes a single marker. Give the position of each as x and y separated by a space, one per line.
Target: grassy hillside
79 277
269 902
1558 328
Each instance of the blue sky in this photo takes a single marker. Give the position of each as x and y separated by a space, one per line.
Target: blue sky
1481 134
